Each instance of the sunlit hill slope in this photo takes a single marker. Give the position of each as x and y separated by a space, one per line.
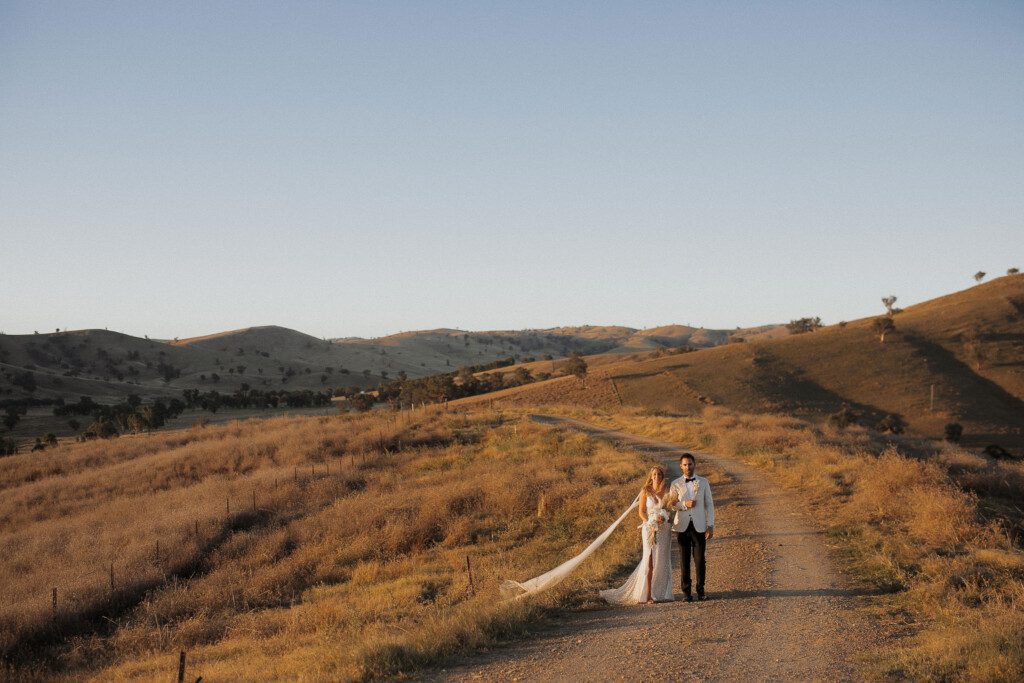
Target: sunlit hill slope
958 358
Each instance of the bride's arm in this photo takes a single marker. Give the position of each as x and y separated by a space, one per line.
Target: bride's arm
642 509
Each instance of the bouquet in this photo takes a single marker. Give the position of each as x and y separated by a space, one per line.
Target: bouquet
654 520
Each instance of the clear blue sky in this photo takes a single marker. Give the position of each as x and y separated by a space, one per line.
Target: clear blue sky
174 169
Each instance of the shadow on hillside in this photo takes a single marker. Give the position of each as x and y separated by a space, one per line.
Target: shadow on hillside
1013 442
982 399
1003 336
778 383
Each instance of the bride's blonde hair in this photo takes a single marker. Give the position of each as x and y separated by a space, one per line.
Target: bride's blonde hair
649 481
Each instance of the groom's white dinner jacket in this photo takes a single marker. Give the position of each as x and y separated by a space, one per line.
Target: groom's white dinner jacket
703 513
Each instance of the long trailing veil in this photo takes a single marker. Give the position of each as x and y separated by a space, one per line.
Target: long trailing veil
513 590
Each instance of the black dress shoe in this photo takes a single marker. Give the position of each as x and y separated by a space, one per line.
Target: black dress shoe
701 597
689 598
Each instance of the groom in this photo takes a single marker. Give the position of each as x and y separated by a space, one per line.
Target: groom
694 522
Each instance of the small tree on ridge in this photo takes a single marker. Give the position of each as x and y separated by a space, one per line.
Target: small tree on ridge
882 327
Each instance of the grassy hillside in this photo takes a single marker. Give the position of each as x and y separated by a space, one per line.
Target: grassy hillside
330 548
927 373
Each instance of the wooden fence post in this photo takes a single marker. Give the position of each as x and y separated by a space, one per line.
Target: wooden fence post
469 571
181 667
54 602
111 577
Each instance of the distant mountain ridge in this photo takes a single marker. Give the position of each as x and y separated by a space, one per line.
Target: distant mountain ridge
111 365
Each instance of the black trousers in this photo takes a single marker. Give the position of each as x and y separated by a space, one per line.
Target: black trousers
692 543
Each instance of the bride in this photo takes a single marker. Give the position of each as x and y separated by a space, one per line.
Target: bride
651 581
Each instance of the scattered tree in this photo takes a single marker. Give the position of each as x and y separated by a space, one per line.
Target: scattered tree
102 428
135 424
153 416
26 380
803 325
954 431
889 302
466 376
362 402
1012 271
12 416
577 366
979 276
883 326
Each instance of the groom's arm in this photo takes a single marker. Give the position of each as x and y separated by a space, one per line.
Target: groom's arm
709 507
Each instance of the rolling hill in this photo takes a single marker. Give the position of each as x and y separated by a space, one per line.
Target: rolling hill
109 366
957 358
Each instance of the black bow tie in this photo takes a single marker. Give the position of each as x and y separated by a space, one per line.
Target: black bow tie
692 479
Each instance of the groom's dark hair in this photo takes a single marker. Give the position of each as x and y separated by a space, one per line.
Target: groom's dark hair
684 456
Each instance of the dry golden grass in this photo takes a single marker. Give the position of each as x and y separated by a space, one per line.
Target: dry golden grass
351 564
933 523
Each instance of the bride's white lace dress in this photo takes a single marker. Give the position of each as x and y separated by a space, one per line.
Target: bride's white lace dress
657 549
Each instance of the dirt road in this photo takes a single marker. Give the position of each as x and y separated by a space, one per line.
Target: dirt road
777 609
